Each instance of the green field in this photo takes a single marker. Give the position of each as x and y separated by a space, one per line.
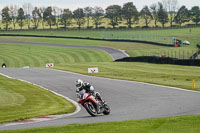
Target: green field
19 100
183 124
157 35
38 56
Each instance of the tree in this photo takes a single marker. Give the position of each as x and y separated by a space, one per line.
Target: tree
13 14
130 13
195 14
154 11
36 17
79 17
41 15
27 7
57 13
162 15
146 15
88 11
171 6
182 16
6 17
21 17
66 18
98 16
49 17
113 12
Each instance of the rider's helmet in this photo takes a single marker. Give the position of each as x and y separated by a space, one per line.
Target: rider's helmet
79 83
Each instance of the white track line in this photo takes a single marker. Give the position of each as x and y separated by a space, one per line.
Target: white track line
50 117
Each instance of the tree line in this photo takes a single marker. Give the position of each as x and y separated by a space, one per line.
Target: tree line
163 12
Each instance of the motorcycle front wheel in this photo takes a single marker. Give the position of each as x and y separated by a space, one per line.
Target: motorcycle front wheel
90 108
106 110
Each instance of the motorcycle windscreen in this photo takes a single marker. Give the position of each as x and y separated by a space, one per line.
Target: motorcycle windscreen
85 95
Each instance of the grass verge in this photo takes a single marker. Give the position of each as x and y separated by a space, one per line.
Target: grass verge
162 74
182 124
20 100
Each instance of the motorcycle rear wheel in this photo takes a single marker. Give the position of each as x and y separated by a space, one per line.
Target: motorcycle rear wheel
90 109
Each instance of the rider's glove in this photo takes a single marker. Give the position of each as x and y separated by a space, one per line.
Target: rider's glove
78 95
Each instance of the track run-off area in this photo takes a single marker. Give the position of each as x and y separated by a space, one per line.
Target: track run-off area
128 100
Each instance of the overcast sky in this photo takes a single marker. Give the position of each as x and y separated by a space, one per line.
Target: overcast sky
74 4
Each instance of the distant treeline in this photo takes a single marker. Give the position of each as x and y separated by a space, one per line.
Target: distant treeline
163 12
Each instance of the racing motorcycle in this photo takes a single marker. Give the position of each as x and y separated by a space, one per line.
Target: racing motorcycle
90 103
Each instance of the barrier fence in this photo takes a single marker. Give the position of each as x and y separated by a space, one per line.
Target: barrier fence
182 54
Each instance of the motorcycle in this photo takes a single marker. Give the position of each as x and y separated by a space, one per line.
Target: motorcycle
90 103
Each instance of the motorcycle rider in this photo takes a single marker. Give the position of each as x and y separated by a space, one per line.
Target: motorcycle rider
87 88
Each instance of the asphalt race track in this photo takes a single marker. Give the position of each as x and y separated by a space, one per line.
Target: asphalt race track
115 53
128 100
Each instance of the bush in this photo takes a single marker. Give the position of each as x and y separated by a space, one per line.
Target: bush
101 27
122 27
190 25
198 46
144 27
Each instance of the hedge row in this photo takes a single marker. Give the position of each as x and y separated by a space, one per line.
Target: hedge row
161 60
90 38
